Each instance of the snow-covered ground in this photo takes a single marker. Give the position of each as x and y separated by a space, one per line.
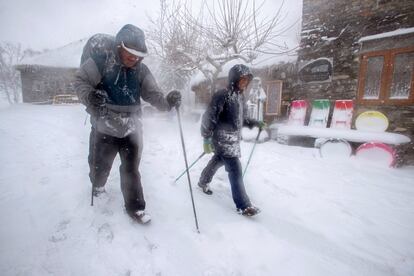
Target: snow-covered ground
319 216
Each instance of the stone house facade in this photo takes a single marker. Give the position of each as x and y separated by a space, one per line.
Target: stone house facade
51 73
40 84
365 51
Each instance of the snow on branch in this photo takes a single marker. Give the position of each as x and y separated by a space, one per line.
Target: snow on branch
220 32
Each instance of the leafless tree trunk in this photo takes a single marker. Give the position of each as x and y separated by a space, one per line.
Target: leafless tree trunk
10 83
222 31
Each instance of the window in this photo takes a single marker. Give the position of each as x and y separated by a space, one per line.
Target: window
387 77
317 70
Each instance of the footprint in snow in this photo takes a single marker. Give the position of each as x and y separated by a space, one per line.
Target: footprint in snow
150 245
105 233
60 235
107 211
44 180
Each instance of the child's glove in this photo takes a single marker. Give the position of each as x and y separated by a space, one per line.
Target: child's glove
261 125
208 146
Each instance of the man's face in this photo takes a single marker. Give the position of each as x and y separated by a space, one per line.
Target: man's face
243 83
128 60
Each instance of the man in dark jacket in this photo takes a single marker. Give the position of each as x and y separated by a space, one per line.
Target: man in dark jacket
221 128
111 82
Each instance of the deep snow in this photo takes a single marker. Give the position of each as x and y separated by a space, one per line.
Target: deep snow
319 216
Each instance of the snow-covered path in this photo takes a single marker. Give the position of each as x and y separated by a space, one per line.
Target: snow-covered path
319 217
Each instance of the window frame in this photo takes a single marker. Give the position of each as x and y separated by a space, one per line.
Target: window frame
386 78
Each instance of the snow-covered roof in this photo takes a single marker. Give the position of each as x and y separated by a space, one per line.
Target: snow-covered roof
69 56
401 31
66 56
199 77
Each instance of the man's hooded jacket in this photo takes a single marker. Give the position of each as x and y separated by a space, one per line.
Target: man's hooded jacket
101 69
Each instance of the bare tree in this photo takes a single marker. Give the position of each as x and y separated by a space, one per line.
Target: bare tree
10 84
169 38
222 31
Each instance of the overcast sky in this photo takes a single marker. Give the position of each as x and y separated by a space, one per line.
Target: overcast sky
50 24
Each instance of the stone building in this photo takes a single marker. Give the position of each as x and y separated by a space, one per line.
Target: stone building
49 74
52 73
40 84
360 50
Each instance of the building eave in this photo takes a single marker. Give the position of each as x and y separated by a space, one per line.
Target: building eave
36 67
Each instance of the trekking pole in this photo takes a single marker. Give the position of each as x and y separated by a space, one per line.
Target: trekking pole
251 153
84 123
95 135
186 165
92 196
93 163
190 166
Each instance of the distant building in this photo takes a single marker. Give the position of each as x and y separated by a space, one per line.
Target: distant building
51 73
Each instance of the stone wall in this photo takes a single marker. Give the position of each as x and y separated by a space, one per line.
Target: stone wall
41 83
332 28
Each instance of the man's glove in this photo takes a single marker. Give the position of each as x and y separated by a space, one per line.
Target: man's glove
208 146
261 125
98 98
174 99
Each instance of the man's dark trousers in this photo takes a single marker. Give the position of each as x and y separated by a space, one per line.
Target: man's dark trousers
102 151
